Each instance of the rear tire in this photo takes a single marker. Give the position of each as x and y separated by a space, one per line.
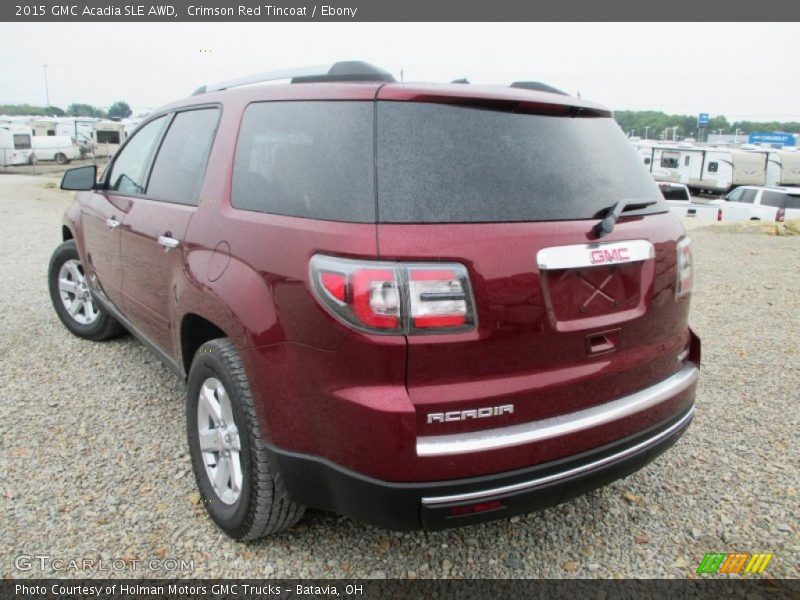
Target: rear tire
243 495
72 300
61 158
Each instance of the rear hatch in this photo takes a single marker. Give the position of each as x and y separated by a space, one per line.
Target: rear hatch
512 189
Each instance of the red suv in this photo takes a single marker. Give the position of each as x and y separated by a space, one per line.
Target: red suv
418 305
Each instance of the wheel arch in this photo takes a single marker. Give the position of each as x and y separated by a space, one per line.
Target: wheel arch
196 330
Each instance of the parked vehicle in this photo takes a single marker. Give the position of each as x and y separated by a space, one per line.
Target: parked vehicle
754 203
418 305
783 168
704 168
60 148
80 128
15 145
681 204
107 136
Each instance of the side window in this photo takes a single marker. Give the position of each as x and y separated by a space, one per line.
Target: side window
307 159
774 199
687 160
735 196
669 160
793 202
180 166
128 172
748 196
713 167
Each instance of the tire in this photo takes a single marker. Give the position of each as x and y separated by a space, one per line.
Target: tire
32 160
72 299
61 158
258 504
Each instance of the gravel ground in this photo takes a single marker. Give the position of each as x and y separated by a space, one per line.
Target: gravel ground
94 458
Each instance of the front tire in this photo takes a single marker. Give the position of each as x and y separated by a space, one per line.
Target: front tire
61 158
243 495
72 298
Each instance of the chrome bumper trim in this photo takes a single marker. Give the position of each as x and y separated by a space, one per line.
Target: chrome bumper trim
535 431
555 477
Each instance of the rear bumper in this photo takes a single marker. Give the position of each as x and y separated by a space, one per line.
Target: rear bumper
321 484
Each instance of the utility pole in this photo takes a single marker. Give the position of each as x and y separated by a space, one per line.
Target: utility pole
46 88
646 129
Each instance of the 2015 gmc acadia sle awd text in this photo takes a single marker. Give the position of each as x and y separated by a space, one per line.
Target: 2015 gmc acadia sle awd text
419 305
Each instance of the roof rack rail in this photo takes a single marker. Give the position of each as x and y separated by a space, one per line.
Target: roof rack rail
350 70
537 86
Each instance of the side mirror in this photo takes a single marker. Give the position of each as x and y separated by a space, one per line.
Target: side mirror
80 179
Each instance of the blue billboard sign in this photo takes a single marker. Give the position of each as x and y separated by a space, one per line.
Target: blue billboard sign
785 139
702 120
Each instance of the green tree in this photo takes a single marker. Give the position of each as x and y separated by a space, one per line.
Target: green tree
119 110
21 110
77 109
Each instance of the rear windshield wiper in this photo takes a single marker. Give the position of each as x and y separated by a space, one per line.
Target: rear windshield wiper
613 212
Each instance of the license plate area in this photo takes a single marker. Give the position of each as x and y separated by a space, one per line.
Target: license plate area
591 285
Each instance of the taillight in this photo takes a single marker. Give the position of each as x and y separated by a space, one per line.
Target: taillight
780 216
393 297
685 268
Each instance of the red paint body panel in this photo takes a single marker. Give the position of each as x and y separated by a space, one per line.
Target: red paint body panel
359 400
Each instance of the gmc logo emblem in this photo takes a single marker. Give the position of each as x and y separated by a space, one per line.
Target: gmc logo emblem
607 256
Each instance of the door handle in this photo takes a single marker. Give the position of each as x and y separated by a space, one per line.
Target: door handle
112 223
168 242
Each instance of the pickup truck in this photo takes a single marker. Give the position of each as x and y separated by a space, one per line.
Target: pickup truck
757 203
682 205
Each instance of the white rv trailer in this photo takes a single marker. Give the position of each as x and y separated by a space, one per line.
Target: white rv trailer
783 167
42 126
704 167
79 128
15 145
107 137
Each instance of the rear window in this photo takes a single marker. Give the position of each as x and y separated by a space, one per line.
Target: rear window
448 164
307 159
674 192
107 137
22 141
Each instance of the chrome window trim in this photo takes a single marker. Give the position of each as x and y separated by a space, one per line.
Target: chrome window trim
536 431
548 479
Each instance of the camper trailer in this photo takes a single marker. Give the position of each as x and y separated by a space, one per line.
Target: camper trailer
783 167
79 128
15 145
704 168
107 137
42 126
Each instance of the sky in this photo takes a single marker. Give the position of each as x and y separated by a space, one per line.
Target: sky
745 71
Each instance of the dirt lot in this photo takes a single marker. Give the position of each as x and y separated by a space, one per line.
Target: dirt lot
94 458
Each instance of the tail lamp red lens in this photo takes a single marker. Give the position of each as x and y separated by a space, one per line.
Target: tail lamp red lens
685 268
395 297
